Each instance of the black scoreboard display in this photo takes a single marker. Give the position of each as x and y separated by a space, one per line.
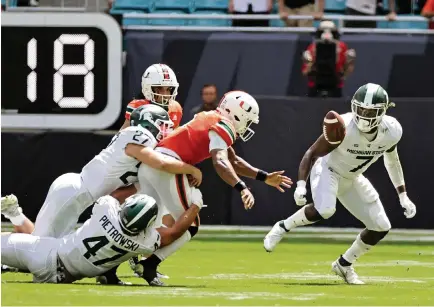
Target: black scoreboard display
60 70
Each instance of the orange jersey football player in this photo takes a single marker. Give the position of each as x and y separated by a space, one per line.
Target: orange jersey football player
160 87
208 135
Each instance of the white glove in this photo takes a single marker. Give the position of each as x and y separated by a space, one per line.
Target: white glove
407 204
196 197
300 193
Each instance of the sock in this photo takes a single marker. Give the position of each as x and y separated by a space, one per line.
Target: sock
152 261
356 250
297 219
168 250
18 220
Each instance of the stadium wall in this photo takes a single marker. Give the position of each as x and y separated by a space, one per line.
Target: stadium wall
31 161
270 63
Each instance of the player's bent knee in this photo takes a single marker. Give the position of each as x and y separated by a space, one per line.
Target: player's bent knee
326 212
193 230
383 224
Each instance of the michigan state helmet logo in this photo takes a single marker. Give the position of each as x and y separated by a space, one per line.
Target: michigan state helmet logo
138 213
369 105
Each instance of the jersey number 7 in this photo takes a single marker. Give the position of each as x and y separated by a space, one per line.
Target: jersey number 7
100 242
367 160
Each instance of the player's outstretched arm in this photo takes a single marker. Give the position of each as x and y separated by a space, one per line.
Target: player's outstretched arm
224 169
396 175
169 235
243 168
162 162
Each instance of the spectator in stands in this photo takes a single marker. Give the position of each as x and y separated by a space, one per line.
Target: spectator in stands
428 12
366 8
209 99
327 61
241 7
300 7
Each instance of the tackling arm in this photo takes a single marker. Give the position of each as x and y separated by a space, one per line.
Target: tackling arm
161 162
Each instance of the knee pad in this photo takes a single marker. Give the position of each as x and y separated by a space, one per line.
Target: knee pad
383 223
326 212
193 230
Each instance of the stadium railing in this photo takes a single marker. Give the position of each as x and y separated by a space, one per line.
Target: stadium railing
339 18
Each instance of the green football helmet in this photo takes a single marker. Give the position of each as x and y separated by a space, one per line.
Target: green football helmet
138 213
369 105
153 118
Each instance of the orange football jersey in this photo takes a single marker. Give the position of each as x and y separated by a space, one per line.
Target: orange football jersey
175 110
191 141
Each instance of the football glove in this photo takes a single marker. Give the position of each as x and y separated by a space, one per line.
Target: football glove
196 197
407 204
300 193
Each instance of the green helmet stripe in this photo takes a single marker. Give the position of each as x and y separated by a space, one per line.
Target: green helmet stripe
371 92
141 213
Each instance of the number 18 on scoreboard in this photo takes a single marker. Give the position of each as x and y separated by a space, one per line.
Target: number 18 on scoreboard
60 70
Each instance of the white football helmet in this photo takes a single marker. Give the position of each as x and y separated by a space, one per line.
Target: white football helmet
242 110
158 75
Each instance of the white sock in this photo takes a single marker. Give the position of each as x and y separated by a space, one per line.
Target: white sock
356 250
18 220
168 250
297 219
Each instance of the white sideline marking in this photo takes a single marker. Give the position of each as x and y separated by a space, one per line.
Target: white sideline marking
388 263
303 276
337 237
306 229
192 293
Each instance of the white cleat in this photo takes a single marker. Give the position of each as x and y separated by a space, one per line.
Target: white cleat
10 207
347 273
274 236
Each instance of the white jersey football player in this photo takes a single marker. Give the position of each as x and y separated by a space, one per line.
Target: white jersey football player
337 173
114 167
112 235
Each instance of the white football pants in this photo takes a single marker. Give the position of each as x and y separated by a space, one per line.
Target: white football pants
65 201
35 254
358 196
172 192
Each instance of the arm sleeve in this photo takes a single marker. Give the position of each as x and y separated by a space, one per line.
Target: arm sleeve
226 131
129 110
393 167
216 141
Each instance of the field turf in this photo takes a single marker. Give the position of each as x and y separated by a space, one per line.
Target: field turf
237 271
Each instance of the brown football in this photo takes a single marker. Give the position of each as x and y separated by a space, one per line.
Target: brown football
333 128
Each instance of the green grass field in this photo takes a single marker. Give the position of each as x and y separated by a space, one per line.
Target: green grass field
240 272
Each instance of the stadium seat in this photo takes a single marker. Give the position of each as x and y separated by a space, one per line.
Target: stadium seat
210 22
185 5
402 24
133 4
130 21
334 5
211 4
167 21
277 23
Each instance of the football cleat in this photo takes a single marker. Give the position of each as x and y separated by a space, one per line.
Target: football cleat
347 273
110 278
10 207
274 236
156 282
8 269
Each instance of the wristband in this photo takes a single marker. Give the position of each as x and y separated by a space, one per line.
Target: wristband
240 186
301 184
261 175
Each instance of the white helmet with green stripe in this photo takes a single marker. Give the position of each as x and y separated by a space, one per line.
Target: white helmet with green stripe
242 110
369 105
138 213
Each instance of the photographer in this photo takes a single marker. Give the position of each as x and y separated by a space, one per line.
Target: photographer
327 61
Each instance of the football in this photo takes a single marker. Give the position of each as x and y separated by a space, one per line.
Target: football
333 128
